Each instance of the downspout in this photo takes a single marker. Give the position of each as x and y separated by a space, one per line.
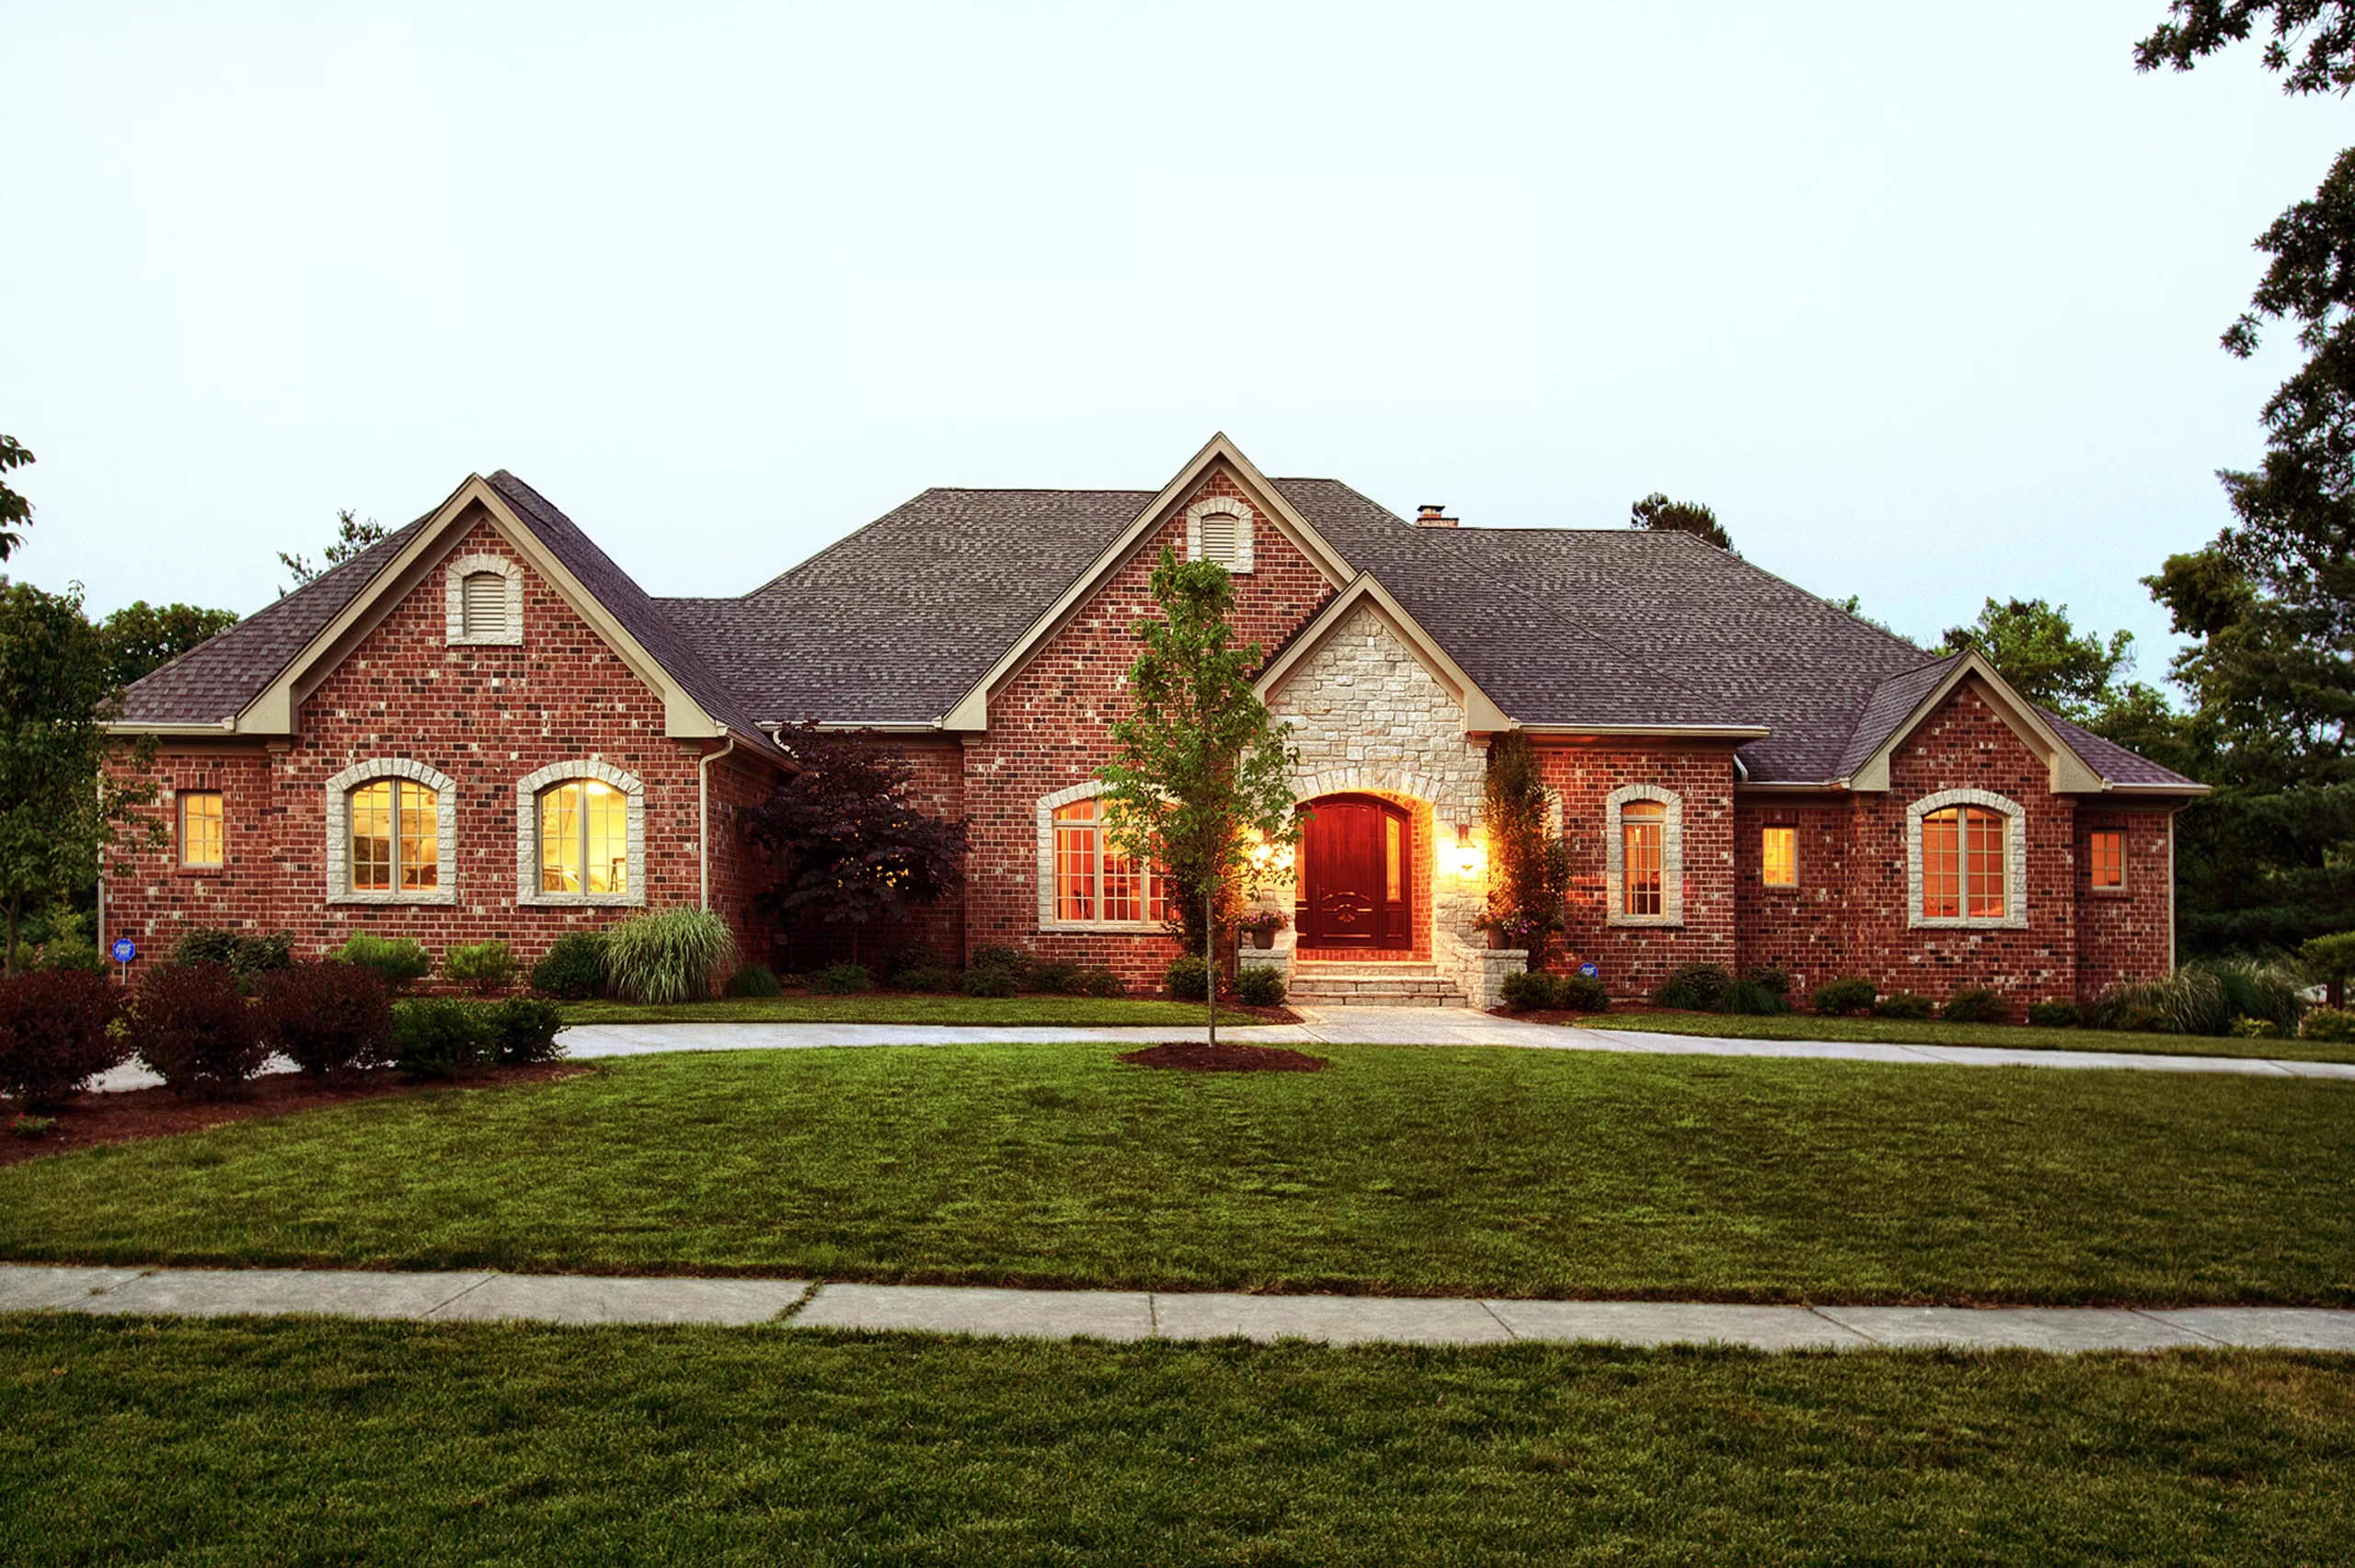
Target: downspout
703 813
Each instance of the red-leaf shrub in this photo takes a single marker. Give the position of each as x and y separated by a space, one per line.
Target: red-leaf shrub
53 1036
328 1017
192 1028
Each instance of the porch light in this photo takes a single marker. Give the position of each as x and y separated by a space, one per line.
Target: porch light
1467 853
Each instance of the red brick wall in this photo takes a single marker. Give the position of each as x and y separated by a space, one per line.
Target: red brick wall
1633 959
485 717
939 764
1805 928
2123 935
1047 732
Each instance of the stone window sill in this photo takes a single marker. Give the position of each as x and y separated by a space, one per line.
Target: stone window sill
1103 928
579 901
1660 922
2109 892
200 870
1967 922
405 896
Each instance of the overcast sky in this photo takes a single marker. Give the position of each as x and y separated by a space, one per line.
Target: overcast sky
1922 298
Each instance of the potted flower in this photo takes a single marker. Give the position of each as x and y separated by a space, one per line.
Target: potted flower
1259 927
1512 931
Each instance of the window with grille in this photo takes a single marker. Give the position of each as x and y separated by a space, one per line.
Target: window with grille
200 827
1964 852
1095 883
482 605
1780 857
2108 858
585 838
1643 835
395 837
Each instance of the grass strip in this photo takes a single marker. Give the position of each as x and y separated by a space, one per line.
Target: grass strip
1061 1011
1933 1032
295 1441
1399 1170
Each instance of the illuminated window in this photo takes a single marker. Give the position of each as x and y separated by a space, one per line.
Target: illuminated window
395 837
2110 859
1780 857
200 832
585 838
1094 884
1393 861
1965 849
1642 831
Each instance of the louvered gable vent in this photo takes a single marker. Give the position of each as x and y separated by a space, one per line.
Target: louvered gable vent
1219 539
482 605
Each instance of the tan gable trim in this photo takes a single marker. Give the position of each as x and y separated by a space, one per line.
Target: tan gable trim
971 712
1481 714
272 713
2067 773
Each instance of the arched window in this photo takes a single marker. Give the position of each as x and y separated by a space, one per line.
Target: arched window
1644 856
1967 860
1643 831
585 838
1083 879
390 823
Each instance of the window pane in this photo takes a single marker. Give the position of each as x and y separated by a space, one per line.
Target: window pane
605 824
371 837
199 828
421 856
1941 865
1392 857
1781 857
1075 861
1640 854
1984 852
1156 897
560 839
2110 859
1123 888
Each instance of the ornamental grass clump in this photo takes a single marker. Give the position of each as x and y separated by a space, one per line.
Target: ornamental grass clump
2201 998
328 1018
56 1033
193 1030
668 957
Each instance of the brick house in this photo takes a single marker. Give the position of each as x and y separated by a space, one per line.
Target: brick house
482 727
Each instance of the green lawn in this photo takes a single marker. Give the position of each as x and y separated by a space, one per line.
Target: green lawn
1932 1032
1076 1011
287 1441
1405 1169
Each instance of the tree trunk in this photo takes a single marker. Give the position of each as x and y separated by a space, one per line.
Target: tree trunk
2334 991
16 907
1209 952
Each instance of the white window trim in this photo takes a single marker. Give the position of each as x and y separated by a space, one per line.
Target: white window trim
1672 857
1221 506
2015 915
455 577
528 892
1048 920
445 833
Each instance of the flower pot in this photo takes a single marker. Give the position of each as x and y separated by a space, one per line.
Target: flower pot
1260 938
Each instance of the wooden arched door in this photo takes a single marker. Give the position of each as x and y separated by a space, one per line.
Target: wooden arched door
1357 875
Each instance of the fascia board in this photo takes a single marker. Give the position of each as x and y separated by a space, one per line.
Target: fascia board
971 712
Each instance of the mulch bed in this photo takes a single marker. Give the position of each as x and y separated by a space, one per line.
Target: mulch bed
127 1116
1192 1055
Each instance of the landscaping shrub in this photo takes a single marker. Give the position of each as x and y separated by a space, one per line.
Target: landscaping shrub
1187 979
668 957
2246 1028
192 1029
2333 1024
56 1035
1529 991
1974 1004
841 979
574 969
2251 989
980 981
753 979
1101 983
1762 989
403 961
1581 993
482 967
327 1017
929 977
1695 988
1260 985
522 1029
1905 1004
246 958
2191 1000
1850 993
916 956
440 1037
1056 978
2056 1013
71 951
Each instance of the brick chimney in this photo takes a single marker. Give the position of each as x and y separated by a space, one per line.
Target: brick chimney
1433 514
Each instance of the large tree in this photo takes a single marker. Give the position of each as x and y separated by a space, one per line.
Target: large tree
1660 515
15 512
60 810
847 843
142 636
1201 777
2033 645
351 536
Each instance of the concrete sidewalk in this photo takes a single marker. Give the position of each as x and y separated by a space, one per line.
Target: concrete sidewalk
1357 1026
1128 1315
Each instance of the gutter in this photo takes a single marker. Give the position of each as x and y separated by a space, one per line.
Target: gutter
702 814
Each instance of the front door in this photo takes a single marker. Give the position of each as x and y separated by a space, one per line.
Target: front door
1355 867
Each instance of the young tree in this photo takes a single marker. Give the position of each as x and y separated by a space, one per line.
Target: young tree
1199 772
15 511
142 636
351 536
1656 512
845 840
1530 865
2033 645
60 810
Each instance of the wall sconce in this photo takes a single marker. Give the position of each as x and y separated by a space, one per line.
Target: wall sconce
1467 853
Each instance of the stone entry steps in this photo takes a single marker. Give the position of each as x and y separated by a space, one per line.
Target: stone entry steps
1324 983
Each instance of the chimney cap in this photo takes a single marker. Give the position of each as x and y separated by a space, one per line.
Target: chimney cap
1433 514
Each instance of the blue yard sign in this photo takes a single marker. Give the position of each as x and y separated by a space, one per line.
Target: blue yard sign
124 950
1590 970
